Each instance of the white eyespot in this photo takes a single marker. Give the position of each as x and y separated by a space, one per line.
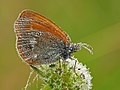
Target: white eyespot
33 41
35 56
40 33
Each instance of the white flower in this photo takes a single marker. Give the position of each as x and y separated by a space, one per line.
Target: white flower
83 71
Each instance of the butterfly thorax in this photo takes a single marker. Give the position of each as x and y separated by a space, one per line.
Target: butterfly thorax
69 49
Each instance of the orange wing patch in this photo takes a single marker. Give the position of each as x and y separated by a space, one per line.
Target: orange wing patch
30 20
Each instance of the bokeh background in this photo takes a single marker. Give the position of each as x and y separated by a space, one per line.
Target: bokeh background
96 22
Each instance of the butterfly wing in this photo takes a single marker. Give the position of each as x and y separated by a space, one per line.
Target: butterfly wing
30 20
39 47
39 40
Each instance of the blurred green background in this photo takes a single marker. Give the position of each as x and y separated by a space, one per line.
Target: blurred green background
96 22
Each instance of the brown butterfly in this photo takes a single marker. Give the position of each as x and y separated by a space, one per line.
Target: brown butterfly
40 41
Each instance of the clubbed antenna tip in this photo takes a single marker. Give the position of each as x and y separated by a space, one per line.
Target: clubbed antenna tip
86 46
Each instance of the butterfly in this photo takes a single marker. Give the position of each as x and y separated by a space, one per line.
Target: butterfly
40 41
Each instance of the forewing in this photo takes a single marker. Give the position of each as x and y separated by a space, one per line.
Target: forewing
28 28
29 20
